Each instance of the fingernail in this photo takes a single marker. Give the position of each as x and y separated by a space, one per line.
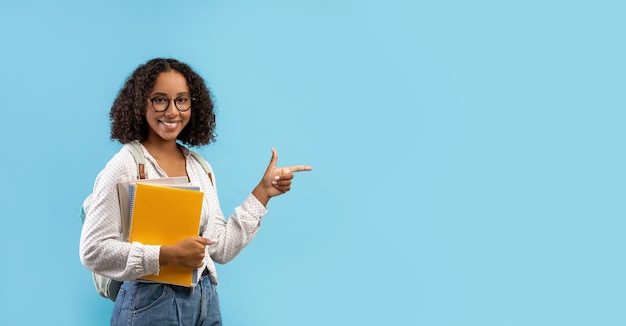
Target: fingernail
274 182
276 177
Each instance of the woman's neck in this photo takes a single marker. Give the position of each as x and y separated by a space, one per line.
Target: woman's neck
169 157
162 149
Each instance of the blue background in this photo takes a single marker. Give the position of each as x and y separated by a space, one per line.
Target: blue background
468 156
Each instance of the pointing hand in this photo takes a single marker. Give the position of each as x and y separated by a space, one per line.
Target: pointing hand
276 180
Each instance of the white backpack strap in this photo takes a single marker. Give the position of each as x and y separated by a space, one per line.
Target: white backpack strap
135 149
205 165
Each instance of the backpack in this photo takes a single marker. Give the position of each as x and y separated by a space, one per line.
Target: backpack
107 287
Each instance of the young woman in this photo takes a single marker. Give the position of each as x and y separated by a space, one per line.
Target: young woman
163 105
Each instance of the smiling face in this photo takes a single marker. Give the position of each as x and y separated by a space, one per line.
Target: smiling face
166 126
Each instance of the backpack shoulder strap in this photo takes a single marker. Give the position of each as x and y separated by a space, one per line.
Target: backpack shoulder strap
137 152
135 149
204 163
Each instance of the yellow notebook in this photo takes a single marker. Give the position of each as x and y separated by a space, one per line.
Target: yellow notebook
164 215
123 192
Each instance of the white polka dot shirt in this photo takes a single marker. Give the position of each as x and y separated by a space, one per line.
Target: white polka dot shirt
103 251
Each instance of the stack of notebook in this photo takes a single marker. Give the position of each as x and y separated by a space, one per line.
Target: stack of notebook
162 213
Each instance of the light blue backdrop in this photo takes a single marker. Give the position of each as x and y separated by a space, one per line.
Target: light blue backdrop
468 155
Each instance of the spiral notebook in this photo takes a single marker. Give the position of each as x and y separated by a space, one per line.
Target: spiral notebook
123 192
164 215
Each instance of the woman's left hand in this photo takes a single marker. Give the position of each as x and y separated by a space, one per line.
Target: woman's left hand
276 180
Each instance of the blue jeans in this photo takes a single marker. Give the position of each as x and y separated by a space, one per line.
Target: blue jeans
162 304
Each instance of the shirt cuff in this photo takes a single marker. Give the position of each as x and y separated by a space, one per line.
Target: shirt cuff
253 206
151 262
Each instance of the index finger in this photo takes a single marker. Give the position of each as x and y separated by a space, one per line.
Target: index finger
205 241
299 168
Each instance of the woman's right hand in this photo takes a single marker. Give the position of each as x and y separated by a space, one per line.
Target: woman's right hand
187 253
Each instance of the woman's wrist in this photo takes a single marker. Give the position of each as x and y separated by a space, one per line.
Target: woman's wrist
261 195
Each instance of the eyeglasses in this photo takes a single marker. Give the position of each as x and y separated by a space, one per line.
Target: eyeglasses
162 103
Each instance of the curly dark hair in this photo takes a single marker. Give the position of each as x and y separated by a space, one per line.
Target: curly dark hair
128 113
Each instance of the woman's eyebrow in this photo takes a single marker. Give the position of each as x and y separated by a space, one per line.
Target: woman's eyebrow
164 94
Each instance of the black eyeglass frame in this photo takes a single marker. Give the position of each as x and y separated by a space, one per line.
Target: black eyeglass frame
170 99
